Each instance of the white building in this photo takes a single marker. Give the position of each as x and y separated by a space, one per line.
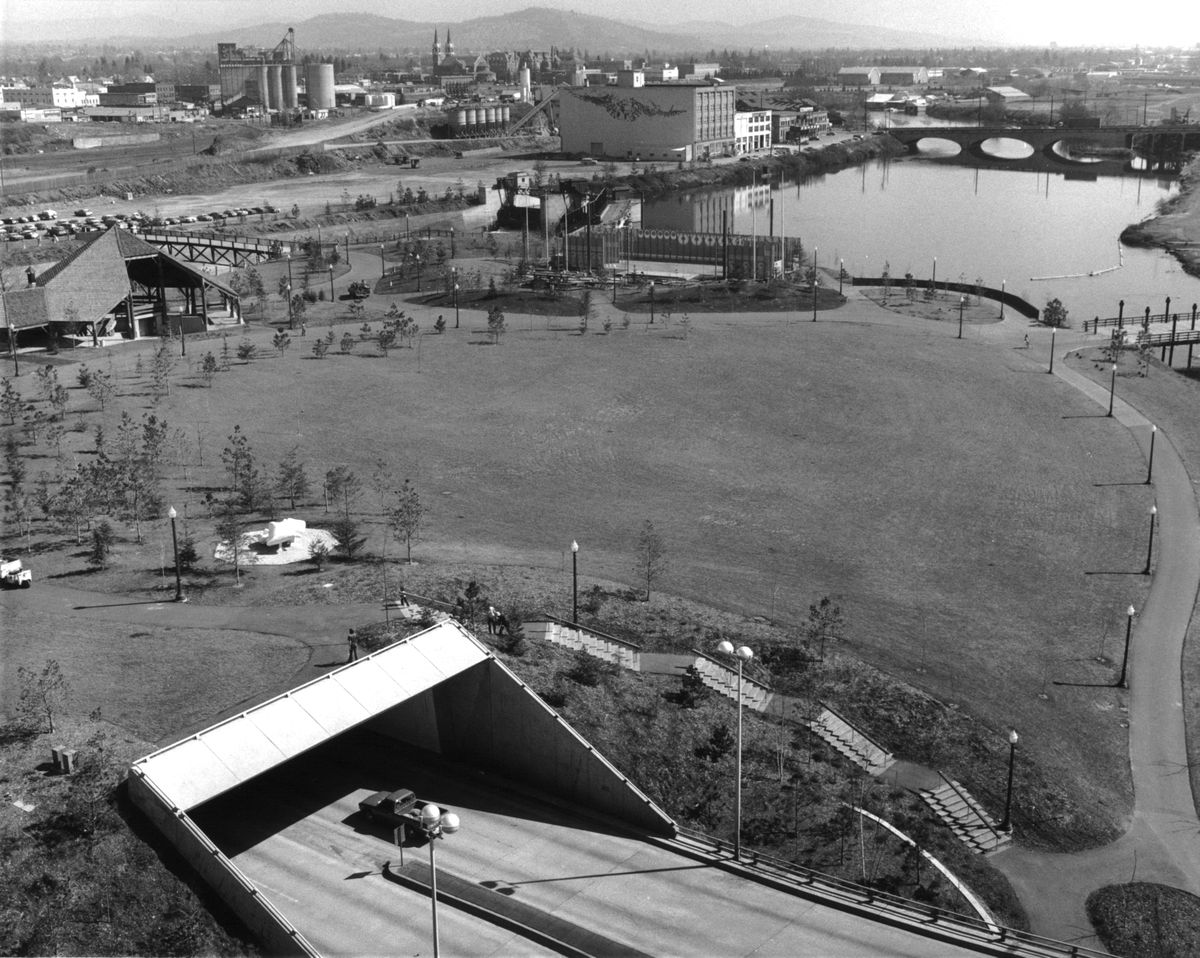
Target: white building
752 131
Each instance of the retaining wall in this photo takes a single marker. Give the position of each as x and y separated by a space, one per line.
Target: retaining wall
275 932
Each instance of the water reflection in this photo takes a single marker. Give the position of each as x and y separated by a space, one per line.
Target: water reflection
1043 230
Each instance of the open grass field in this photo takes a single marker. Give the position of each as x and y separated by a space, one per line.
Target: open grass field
979 522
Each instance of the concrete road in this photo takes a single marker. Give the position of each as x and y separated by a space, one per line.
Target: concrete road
297 834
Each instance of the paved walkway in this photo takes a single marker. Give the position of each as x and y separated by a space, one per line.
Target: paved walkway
1162 843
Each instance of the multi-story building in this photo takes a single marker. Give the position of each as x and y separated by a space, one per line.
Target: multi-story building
752 131
684 120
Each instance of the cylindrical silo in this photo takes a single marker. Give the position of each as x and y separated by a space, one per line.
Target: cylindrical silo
505 116
260 77
491 116
275 86
319 78
471 111
460 119
289 86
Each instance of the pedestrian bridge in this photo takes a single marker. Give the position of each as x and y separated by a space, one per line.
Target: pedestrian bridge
1162 143
217 249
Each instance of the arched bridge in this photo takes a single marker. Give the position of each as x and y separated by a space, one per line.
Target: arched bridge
1159 142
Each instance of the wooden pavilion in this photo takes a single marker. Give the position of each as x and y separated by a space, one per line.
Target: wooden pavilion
117 286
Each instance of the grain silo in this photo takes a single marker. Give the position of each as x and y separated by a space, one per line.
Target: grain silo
275 86
262 80
318 78
289 86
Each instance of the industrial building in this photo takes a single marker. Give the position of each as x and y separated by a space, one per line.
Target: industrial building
683 120
264 78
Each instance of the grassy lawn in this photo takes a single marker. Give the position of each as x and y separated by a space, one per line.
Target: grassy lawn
960 507
1145 920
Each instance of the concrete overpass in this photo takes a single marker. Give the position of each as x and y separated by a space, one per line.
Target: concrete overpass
1163 144
558 853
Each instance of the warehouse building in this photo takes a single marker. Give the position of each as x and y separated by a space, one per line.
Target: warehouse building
683 120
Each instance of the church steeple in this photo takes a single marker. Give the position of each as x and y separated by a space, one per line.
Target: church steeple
437 47
449 45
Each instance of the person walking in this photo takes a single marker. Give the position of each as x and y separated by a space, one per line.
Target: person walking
502 624
352 639
403 600
493 619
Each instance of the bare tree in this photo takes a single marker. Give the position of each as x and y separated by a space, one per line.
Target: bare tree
651 556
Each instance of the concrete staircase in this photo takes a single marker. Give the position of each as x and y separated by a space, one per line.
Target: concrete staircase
851 743
724 680
955 806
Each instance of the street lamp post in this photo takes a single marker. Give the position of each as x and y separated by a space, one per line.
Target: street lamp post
436 824
1129 614
1150 543
1003 284
814 285
418 259
291 319
1006 824
1112 390
456 305
289 262
1150 464
382 271
743 655
841 274
962 301
331 282
574 581
171 514
1053 331
651 302
347 249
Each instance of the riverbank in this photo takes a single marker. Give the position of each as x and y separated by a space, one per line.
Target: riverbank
1176 226
812 161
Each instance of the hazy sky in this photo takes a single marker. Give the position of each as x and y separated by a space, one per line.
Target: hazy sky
1032 22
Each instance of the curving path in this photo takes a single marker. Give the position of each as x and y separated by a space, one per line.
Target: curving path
1162 843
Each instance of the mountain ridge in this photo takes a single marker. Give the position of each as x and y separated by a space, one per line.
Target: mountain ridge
533 27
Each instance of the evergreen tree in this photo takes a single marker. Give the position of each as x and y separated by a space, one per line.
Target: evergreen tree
292 480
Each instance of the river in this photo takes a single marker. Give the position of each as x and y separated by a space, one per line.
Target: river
1042 235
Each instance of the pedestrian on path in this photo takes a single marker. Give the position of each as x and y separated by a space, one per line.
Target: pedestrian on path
352 639
1027 340
403 600
493 619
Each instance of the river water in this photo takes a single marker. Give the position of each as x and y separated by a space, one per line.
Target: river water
1043 235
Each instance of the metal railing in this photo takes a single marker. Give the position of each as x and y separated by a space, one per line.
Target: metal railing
917 916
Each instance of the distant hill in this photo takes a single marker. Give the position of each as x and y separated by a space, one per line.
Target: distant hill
531 28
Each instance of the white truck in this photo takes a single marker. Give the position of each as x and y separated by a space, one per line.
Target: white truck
13 576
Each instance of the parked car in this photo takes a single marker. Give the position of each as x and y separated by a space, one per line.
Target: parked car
360 289
399 809
83 213
587 161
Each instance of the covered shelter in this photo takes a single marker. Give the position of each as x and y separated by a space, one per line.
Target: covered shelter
118 286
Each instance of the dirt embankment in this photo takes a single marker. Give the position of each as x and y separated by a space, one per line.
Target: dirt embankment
1176 225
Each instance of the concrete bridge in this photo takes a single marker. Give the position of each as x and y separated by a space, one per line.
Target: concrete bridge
1163 144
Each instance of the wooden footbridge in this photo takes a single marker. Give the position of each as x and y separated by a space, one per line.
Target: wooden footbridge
1151 330
216 248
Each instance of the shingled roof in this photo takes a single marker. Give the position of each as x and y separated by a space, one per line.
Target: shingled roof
87 284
